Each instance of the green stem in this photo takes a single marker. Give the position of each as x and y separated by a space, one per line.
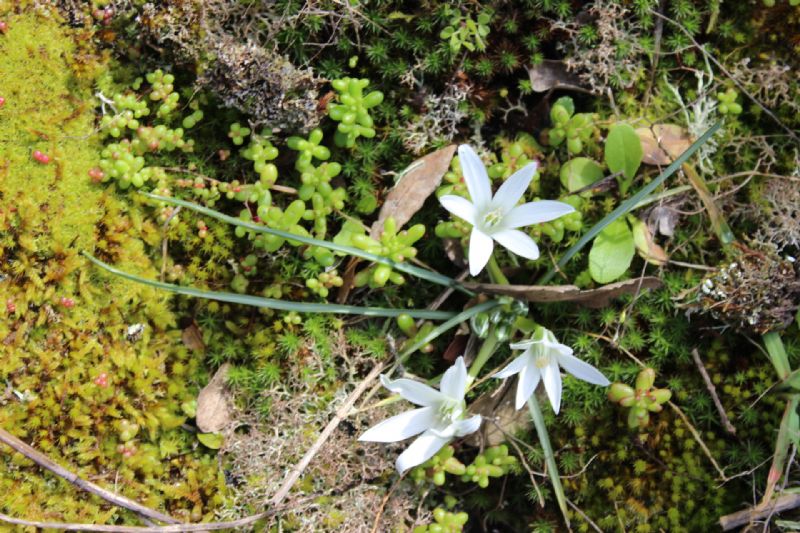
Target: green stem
495 273
486 352
549 456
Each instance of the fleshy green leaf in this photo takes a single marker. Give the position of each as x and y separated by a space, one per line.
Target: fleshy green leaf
623 150
211 440
580 172
612 252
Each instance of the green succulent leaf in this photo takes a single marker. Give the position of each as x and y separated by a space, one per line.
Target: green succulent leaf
623 151
612 252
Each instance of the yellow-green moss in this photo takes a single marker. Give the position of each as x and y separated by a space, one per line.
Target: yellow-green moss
63 324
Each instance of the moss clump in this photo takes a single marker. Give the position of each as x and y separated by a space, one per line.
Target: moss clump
81 386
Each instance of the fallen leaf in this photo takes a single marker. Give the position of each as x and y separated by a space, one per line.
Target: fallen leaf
662 143
416 184
552 74
599 297
192 338
213 405
501 418
646 245
454 251
456 347
213 441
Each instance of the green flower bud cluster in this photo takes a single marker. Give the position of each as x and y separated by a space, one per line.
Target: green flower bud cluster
237 133
555 229
408 326
162 90
322 284
397 246
727 102
642 400
445 522
129 109
352 113
502 317
576 129
494 462
515 155
260 151
436 468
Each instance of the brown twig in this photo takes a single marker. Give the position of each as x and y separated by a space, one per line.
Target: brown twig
45 462
177 528
584 516
376 524
341 413
740 518
713 391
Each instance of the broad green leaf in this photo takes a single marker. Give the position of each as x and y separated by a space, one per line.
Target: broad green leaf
612 252
211 440
623 150
580 172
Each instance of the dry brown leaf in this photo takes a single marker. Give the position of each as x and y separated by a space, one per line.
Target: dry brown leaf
213 403
646 245
662 143
500 416
417 183
599 297
552 74
192 338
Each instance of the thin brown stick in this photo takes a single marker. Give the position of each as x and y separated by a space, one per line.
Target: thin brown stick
379 515
177 528
45 462
712 390
584 516
341 413
740 518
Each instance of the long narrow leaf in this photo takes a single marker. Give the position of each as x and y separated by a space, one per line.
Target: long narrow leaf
271 303
630 203
549 455
412 270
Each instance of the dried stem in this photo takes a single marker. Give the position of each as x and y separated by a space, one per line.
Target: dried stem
713 391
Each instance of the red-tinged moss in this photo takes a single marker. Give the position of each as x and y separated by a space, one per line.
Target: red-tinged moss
77 382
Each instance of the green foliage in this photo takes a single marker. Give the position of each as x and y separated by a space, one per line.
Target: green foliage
642 400
352 111
464 31
612 252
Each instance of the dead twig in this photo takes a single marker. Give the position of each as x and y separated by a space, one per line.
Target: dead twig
376 524
748 516
45 462
177 528
713 391
341 413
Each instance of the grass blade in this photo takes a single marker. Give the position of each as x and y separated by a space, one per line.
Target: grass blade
412 270
271 303
629 204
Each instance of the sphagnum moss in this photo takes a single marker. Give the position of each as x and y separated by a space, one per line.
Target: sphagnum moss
97 401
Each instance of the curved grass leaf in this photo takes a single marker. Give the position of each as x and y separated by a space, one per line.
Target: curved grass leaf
629 204
412 270
271 303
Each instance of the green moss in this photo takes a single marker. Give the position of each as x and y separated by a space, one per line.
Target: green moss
81 389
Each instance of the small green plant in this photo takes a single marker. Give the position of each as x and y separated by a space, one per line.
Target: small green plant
352 111
575 129
641 400
727 102
464 31
444 522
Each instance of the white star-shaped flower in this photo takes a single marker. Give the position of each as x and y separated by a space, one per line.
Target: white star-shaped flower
541 359
496 218
440 418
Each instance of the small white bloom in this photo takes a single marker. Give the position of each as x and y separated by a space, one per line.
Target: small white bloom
541 359
496 218
439 419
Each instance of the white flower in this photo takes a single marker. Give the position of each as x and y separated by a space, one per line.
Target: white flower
496 218
542 356
440 418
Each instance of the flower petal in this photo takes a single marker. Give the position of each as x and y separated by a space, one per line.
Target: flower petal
514 367
454 380
523 345
518 242
460 207
402 426
480 250
536 212
420 451
510 192
413 391
467 426
551 376
475 176
582 370
526 384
